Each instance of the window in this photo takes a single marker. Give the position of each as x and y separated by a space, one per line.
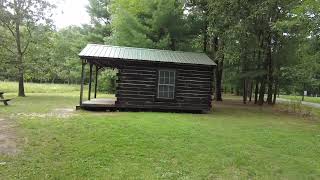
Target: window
166 84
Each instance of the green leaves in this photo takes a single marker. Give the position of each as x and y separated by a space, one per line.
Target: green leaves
151 24
129 31
99 11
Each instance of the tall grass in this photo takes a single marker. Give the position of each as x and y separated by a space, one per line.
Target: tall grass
12 87
48 89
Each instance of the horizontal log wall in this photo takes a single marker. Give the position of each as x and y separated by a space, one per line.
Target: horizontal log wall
137 87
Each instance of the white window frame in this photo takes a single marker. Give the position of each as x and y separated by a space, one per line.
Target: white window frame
166 84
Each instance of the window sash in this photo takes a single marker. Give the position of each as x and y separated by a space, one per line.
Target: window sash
166 84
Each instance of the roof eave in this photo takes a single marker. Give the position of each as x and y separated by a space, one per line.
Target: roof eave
144 61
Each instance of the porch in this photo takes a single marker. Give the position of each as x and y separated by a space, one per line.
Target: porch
92 102
99 104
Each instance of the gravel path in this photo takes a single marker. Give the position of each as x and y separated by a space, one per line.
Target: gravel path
315 105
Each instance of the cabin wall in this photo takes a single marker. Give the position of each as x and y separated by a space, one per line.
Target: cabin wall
137 87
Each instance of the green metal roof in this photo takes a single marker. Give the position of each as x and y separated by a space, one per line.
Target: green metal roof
142 54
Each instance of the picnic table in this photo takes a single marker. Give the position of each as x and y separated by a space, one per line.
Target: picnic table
2 99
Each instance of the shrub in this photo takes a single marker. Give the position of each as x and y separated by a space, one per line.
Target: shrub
107 81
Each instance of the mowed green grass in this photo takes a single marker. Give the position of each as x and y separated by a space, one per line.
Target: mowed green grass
229 143
299 98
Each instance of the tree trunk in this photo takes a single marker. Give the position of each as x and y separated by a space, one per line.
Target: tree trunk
218 95
219 68
262 92
173 44
266 67
251 90
245 90
259 90
205 37
21 92
21 82
53 80
270 74
205 31
238 92
270 92
276 89
244 70
263 84
304 88
256 91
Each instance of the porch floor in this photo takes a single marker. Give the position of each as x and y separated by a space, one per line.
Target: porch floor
99 104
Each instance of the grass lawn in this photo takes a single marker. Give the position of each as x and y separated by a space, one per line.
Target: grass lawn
231 142
299 98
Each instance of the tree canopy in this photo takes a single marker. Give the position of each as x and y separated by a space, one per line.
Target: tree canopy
260 47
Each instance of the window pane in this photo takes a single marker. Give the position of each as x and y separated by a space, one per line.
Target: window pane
161 94
166 74
161 88
166 88
166 80
171 74
161 80
161 77
171 94
171 88
167 92
161 74
172 79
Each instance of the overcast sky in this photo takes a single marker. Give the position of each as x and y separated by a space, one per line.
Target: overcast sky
70 12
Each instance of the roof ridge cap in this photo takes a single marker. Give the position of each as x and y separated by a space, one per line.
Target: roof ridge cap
148 49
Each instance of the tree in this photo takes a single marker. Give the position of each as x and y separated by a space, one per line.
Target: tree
150 24
20 17
67 43
99 11
247 31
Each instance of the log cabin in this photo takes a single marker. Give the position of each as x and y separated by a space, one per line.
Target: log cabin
149 79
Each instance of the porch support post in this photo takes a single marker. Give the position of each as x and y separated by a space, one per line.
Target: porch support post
82 81
90 82
96 82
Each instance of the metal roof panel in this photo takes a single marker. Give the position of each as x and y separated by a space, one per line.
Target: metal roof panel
142 54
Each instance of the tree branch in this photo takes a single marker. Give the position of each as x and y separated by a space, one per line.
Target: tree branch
8 27
4 37
28 41
8 49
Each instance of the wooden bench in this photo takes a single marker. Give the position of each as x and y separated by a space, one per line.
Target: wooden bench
5 101
2 99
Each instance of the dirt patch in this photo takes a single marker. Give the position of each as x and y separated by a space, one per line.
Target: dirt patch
238 104
63 112
8 138
56 113
279 109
